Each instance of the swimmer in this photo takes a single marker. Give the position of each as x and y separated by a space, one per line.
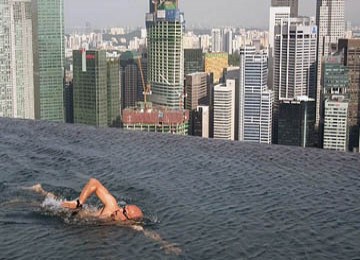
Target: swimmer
111 209
127 214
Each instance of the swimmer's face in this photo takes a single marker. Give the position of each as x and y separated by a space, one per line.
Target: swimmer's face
130 212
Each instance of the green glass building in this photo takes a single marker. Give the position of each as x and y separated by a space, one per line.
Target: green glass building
90 87
96 91
48 45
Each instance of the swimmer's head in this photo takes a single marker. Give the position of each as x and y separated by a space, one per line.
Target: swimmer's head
133 213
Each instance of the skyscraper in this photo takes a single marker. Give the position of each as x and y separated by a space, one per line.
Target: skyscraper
296 122
228 41
335 82
255 99
331 27
224 111
16 60
197 93
165 29
90 88
216 40
351 50
131 82
294 62
278 16
48 44
293 4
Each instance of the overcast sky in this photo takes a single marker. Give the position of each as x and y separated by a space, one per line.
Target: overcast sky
208 13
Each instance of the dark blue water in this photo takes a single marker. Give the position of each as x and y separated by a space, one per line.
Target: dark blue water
213 199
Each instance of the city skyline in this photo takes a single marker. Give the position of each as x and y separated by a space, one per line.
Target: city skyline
102 16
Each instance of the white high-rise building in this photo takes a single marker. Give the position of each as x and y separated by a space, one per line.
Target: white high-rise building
330 19
216 40
278 15
224 111
255 99
228 41
294 66
335 125
16 60
205 42
295 59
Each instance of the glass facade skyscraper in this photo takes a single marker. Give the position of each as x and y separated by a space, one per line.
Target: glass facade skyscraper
90 88
48 44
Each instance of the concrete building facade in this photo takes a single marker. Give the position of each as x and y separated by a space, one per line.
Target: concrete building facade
165 30
255 99
330 20
224 111
16 60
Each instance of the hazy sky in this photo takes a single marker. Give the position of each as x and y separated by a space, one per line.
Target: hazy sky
247 13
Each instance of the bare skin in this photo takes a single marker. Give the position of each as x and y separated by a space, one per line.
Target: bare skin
111 210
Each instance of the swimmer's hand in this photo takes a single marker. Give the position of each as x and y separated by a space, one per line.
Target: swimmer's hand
69 204
137 227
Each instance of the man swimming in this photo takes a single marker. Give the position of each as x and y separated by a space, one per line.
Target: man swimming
127 214
111 210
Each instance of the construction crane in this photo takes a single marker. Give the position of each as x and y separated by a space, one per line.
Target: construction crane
147 87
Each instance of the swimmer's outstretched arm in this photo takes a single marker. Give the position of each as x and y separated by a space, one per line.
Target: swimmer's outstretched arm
169 248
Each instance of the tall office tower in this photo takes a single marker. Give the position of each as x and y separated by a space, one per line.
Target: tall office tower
330 20
165 29
297 122
335 82
294 62
48 44
351 50
224 111
216 63
113 92
16 61
197 89
193 61
228 41
255 99
90 88
293 4
201 122
278 16
131 82
216 40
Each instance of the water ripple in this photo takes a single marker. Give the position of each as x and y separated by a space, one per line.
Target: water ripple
214 199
